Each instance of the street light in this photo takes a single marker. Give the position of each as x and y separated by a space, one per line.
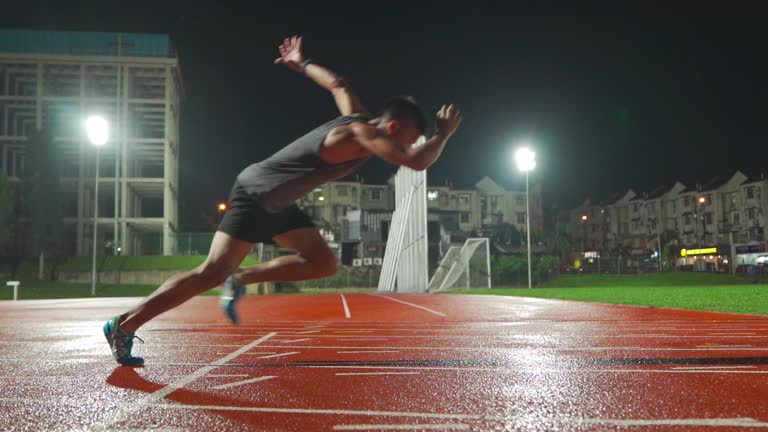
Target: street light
222 208
98 134
526 161
703 238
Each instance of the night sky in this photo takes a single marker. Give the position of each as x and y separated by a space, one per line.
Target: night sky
610 96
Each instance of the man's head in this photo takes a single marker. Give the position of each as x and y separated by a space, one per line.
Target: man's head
403 120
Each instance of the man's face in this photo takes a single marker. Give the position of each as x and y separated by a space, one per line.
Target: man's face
403 133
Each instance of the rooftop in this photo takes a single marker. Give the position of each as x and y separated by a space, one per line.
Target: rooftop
85 43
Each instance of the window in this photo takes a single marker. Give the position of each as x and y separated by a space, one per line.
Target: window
432 195
707 218
686 201
464 200
342 190
750 192
376 195
635 207
521 217
736 218
443 200
354 190
751 213
688 219
494 201
520 200
464 218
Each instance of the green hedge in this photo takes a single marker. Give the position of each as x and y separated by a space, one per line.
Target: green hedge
138 263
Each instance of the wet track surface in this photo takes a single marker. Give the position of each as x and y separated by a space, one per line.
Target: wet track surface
400 362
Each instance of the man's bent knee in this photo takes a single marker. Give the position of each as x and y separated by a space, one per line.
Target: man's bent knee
213 275
328 266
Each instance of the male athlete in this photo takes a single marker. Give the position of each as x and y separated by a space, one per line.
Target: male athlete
261 204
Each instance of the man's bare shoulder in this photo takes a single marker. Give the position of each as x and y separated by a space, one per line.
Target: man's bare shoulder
343 142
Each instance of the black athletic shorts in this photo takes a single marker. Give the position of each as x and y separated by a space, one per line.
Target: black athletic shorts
246 220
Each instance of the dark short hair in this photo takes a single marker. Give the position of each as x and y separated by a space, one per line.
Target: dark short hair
405 108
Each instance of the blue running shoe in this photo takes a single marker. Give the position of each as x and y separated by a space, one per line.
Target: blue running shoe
231 292
121 343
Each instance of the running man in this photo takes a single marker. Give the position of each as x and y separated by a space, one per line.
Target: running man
261 203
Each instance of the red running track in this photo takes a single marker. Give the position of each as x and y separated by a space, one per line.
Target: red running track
400 362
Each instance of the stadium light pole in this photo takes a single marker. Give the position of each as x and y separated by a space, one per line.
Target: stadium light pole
98 134
526 162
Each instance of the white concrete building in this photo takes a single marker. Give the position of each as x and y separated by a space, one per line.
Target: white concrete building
53 80
726 216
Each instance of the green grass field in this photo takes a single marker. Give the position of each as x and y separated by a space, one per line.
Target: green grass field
697 291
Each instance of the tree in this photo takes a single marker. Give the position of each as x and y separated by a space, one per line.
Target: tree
505 268
506 235
619 251
557 241
6 209
40 186
669 244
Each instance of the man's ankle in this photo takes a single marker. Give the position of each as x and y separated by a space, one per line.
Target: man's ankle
121 324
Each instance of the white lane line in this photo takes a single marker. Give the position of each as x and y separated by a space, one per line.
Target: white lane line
724 422
365 352
325 411
308 331
730 422
538 370
375 373
243 382
427 426
294 341
346 307
225 375
411 304
713 367
732 334
723 346
353 331
521 420
259 353
279 355
517 347
361 339
170 388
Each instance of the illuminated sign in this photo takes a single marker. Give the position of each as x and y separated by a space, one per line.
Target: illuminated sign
592 254
705 251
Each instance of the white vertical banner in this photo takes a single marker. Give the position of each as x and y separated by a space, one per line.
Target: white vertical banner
405 267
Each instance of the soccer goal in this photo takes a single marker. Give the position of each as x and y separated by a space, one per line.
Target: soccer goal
465 267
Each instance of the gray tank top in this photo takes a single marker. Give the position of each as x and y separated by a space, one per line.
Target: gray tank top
297 169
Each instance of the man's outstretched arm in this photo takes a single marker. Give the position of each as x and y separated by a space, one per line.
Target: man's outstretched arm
419 158
292 56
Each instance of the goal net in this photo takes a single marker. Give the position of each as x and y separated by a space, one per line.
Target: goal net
464 267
